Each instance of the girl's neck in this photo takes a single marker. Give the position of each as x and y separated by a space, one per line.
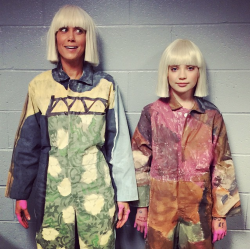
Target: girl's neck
185 99
73 70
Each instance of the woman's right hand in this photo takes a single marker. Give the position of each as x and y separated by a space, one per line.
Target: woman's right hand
22 213
141 220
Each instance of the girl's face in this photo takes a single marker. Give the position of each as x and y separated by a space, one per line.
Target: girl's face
71 42
183 78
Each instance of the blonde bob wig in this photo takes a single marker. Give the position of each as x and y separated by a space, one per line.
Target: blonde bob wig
181 52
73 16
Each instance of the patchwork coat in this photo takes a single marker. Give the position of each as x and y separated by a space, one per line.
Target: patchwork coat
73 147
184 171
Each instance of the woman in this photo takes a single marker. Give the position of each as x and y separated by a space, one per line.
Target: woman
72 134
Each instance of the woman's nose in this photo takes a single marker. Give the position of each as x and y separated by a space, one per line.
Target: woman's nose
71 36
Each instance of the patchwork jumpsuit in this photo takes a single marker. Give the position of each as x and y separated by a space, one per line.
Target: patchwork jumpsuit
184 173
71 138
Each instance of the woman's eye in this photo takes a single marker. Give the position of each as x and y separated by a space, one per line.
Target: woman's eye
63 29
80 31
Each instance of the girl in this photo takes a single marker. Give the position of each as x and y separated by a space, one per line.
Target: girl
72 134
184 169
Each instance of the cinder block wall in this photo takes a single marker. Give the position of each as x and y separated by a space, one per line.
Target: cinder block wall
133 35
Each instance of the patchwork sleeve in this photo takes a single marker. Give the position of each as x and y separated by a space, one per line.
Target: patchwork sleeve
26 152
226 200
142 154
118 149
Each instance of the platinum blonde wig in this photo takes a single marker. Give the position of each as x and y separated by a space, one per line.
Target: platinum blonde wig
181 52
73 16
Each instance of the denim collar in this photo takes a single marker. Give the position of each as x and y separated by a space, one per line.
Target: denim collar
60 76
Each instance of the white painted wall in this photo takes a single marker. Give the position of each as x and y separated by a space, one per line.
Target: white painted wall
133 35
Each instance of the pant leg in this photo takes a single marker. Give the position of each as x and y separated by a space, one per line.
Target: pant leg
162 216
191 236
58 228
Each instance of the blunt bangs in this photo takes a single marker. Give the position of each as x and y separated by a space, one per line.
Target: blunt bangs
69 17
184 56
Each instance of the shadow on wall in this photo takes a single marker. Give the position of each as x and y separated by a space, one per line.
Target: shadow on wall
6 244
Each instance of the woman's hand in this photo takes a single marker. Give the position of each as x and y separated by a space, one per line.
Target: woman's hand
22 213
123 213
219 228
141 220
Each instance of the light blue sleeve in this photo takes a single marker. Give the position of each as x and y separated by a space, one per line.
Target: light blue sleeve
123 169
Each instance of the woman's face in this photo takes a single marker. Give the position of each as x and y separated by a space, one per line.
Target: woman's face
71 42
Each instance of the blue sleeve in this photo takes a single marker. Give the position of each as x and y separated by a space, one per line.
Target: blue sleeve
119 153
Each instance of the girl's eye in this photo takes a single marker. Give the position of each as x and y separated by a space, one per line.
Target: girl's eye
173 69
191 68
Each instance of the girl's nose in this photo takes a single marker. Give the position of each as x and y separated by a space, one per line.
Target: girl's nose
182 74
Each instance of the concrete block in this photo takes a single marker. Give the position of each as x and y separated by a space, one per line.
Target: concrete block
28 12
121 79
133 48
5 160
242 169
191 12
228 90
142 87
174 12
6 207
238 132
133 120
1 50
15 88
25 48
13 121
239 222
3 130
223 45
234 240
109 12
14 236
248 214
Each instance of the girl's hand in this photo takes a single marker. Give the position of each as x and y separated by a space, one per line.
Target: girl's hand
219 228
22 213
141 220
123 213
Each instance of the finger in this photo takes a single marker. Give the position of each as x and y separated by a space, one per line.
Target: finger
145 231
120 211
142 229
124 218
219 236
135 224
22 221
26 213
214 237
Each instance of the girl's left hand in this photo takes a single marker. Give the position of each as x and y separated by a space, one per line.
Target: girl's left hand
123 213
219 228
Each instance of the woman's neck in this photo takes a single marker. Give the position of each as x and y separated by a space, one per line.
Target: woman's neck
186 99
73 70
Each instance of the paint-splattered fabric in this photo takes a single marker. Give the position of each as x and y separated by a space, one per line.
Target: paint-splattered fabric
72 134
184 172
